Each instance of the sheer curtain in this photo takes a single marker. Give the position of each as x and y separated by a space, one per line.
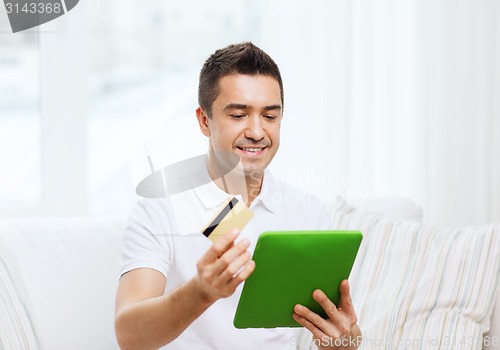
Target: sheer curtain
392 98
382 98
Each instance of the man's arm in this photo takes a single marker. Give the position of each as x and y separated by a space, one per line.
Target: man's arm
340 329
147 319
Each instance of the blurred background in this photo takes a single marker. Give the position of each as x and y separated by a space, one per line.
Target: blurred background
382 98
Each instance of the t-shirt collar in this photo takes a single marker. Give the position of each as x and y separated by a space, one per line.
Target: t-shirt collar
211 195
266 191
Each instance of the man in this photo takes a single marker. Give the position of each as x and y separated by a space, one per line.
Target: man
178 288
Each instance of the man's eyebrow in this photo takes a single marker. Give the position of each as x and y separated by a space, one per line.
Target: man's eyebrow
243 106
272 107
236 106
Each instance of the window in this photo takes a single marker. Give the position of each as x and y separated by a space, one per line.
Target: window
20 123
82 98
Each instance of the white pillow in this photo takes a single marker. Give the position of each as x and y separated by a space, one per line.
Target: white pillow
416 285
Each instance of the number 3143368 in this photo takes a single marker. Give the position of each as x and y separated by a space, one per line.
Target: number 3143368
33 8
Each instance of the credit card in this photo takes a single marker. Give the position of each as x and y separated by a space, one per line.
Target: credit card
234 214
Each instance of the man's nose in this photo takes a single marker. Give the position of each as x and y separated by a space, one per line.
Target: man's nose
255 128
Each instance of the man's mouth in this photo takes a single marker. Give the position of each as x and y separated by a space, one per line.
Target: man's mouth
251 149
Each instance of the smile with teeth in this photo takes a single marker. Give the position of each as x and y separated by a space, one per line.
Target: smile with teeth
252 149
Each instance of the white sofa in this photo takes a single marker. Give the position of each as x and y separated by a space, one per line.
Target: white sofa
66 272
59 277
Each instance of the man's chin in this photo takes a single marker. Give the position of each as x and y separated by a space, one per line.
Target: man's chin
253 171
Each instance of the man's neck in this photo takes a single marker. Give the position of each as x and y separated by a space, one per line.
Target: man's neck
237 182
254 186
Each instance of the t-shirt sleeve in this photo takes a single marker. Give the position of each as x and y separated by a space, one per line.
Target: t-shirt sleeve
147 239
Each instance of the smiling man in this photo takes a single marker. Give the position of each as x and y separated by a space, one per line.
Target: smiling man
179 290
245 118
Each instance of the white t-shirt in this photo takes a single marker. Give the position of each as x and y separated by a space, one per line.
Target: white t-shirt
165 235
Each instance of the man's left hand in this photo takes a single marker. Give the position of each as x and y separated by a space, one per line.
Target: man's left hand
340 329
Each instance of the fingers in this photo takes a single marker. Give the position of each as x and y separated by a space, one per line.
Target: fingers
339 324
231 262
225 265
327 305
243 274
309 320
318 325
233 259
221 245
339 320
346 302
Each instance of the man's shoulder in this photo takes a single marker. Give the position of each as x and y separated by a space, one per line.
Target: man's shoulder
292 195
285 186
151 204
151 210
302 209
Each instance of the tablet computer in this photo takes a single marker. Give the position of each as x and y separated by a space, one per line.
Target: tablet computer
289 266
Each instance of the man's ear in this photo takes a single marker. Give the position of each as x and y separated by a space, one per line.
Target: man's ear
203 121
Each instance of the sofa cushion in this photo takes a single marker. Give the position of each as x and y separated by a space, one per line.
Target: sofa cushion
16 329
419 285
70 268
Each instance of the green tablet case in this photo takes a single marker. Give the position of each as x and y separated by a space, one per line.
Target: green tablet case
290 265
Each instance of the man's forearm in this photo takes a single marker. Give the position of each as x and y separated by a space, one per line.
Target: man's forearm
152 323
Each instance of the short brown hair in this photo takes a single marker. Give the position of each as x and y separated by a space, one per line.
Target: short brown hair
244 58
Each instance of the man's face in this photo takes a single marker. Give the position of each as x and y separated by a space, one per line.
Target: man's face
246 119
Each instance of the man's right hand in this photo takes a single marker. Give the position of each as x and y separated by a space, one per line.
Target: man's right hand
148 318
223 267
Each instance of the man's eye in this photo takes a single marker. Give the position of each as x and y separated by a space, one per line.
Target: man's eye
270 116
237 116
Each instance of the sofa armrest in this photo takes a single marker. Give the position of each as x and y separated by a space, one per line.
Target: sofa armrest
70 268
491 339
